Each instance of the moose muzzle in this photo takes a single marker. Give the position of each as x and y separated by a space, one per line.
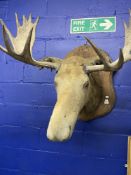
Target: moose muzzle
63 119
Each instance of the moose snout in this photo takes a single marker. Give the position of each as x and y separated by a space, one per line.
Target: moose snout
62 121
58 133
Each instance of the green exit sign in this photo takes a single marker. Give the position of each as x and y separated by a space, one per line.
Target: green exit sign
92 25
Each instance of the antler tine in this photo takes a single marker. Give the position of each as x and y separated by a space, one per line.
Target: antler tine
125 26
33 32
130 17
37 20
30 17
20 47
24 20
114 66
6 40
26 51
17 21
102 57
7 30
1 47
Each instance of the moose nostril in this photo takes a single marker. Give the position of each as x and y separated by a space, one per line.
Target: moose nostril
52 137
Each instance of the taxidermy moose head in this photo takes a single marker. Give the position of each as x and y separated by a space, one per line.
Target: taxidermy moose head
83 80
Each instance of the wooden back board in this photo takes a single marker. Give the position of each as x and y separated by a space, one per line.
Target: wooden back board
129 157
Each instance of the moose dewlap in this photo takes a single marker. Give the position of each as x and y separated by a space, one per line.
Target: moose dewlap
83 78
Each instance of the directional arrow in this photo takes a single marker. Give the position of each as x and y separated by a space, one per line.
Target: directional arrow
107 24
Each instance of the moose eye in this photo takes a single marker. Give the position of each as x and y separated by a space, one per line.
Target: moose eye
86 84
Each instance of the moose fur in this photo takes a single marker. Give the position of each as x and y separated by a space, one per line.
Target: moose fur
102 81
92 89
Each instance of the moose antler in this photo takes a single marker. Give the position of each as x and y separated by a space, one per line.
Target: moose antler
20 47
107 66
127 44
124 54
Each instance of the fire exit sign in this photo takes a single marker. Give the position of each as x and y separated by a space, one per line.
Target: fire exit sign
92 25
